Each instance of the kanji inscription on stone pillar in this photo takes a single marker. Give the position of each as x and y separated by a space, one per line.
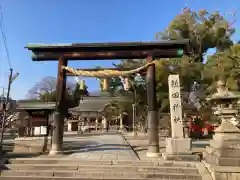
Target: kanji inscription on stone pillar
175 106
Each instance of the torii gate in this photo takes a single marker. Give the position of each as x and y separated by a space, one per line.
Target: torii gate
107 51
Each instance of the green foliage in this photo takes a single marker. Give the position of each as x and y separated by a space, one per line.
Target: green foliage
204 30
223 65
115 84
78 94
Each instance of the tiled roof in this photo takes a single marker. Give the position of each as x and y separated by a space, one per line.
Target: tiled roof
94 104
34 105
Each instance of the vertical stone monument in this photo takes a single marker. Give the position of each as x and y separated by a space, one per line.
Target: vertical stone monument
177 147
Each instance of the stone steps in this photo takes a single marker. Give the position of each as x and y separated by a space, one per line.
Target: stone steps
49 160
53 168
102 168
100 175
86 178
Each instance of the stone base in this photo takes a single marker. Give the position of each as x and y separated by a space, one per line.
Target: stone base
222 156
223 172
79 132
178 145
105 130
123 130
180 157
32 144
179 149
134 134
55 150
53 153
224 149
152 155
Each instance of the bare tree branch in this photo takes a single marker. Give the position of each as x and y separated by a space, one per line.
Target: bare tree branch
46 85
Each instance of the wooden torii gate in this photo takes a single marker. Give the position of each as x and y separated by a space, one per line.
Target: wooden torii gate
106 51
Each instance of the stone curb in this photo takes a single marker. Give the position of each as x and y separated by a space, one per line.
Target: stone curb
128 144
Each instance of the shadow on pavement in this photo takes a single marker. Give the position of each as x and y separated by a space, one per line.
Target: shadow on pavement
23 155
93 146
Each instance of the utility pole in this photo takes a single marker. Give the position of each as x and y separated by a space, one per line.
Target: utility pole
3 92
6 105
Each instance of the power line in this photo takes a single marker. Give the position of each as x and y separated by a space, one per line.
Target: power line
4 37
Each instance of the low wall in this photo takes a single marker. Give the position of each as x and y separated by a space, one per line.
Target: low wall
32 144
223 172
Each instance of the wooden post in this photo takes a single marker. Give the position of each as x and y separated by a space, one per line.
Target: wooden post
60 111
96 123
82 84
50 121
105 84
153 139
80 125
121 125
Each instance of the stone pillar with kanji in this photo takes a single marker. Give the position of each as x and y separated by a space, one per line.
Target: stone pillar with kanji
177 147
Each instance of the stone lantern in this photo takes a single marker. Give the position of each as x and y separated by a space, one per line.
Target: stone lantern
223 154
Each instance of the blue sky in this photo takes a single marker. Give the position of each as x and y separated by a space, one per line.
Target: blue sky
68 21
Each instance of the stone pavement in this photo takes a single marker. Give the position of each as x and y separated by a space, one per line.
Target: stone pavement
101 147
109 146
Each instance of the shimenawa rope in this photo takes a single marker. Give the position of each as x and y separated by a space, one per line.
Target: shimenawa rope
105 73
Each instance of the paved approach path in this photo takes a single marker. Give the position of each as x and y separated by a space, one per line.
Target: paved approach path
140 145
99 147
88 146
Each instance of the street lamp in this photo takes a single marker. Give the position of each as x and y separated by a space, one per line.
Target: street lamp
135 83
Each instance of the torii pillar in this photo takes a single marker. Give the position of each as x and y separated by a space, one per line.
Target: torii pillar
60 109
153 138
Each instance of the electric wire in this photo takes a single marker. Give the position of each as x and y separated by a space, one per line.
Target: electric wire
3 34
4 37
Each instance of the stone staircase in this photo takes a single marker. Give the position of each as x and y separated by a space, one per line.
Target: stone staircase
57 168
